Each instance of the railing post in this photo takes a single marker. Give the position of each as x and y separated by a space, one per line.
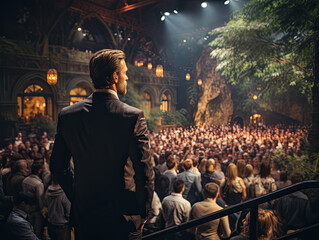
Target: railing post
253 222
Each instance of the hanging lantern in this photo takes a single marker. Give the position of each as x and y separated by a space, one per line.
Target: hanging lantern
52 76
199 82
159 71
255 97
188 76
149 66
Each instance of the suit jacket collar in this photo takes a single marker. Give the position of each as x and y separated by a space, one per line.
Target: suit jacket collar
102 96
111 91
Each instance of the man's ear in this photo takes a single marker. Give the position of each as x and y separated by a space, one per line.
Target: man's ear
115 77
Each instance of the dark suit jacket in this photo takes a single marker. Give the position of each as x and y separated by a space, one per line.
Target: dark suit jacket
113 174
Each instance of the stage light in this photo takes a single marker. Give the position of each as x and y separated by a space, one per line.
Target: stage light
175 11
128 39
184 40
188 76
226 2
255 97
166 13
204 4
79 29
162 18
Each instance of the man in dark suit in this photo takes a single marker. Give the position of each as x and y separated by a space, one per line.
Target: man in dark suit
113 183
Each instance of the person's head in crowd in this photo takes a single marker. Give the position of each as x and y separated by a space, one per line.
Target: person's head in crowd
296 177
268 225
230 158
22 201
283 177
27 144
170 163
15 148
180 167
201 155
210 166
37 168
38 157
216 158
167 154
264 170
43 151
161 159
9 147
35 148
188 164
179 186
210 154
202 165
20 166
16 156
211 191
195 162
231 172
241 164
21 146
249 170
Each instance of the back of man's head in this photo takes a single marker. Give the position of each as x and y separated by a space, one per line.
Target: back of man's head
178 186
36 166
170 163
19 165
20 198
103 64
211 190
188 164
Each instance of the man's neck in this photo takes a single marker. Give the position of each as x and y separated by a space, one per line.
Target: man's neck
212 199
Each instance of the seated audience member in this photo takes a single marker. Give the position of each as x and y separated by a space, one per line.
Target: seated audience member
33 187
283 180
170 173
209 230
264 183
295 209
176 209
233 189
209 175
57 209
17 226
193 187
267 229
248 180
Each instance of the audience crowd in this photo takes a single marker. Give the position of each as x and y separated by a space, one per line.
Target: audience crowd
198 171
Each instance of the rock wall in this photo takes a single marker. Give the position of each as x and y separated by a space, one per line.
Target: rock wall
215 105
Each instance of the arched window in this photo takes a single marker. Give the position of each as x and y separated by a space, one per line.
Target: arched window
166 102
147 101
34 101
77 94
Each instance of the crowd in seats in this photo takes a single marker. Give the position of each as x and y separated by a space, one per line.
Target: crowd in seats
197 171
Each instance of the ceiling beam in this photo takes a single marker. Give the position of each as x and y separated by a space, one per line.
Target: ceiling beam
135 6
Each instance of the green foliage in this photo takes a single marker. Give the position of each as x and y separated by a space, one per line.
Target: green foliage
178 118
301 164
269 43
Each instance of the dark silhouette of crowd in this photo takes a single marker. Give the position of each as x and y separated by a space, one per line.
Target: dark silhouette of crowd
197 171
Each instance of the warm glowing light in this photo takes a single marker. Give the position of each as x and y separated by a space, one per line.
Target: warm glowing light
258 89
159 71
43 105
149 66
199 82
188 76
251 117
184 40
79 29
204 4
52 76
140 64
255 97
166 13
162 18
226 2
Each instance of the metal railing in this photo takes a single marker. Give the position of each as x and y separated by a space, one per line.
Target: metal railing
251 204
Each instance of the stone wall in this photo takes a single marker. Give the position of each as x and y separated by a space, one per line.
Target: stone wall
215 105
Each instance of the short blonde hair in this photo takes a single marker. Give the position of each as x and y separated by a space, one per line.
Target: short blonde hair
188 163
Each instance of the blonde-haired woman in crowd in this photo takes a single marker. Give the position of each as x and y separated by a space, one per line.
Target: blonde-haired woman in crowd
268 226
233 189
249 179
241 164
209 175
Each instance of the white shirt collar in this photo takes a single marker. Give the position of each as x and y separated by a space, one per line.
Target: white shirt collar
107 90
